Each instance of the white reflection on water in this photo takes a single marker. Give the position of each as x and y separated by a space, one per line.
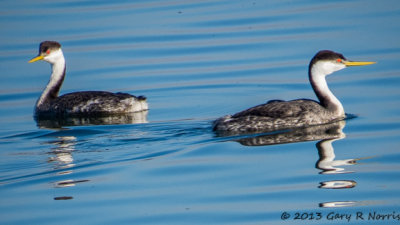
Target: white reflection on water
62 156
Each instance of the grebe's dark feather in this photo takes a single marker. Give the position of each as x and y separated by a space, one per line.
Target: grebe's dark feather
90 103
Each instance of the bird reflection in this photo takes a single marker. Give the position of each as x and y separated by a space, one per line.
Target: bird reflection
62 156
337 184
62 153
337 204
327 162
58 122
326 134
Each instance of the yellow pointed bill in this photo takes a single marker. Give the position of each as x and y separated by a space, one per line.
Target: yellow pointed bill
350 63
37 58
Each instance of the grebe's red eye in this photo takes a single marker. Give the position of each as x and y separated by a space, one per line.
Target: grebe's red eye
339 60
48 52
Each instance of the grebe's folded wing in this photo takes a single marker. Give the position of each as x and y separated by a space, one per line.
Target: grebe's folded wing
281 109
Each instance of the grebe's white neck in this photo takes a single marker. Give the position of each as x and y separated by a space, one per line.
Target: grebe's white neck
317 75
57 61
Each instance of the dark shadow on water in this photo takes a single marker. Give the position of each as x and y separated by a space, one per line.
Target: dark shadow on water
129 118
313 133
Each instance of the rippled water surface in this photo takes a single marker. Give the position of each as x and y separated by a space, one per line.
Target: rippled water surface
196 61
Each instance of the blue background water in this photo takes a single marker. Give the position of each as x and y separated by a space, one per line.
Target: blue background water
197 61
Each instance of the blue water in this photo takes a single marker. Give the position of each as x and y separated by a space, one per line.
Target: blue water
196 61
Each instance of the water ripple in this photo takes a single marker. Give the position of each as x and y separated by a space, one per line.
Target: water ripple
196 61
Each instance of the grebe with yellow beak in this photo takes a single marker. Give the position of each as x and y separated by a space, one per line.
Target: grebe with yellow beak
80 104
278 115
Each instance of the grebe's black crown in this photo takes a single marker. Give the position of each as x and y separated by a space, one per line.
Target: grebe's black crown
326 55
46 45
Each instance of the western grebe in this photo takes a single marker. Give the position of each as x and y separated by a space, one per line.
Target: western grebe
81 104
277 114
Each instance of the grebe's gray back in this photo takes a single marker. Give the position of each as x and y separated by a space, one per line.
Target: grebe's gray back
277 114
85 103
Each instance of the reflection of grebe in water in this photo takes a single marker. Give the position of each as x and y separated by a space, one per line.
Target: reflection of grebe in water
129 118
327 134
62 152
278 115
62 156
78 104
327 162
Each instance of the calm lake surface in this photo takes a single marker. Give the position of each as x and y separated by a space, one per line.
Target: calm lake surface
196 61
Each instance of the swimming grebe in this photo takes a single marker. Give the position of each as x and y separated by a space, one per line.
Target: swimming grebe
277 114
80 104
